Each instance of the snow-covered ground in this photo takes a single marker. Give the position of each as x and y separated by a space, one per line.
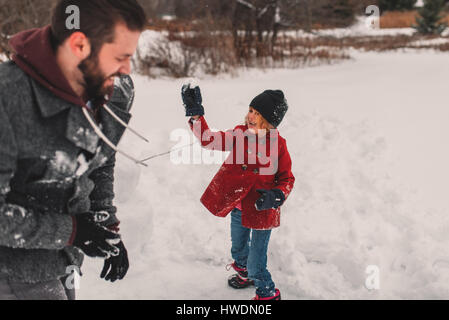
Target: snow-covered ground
368 139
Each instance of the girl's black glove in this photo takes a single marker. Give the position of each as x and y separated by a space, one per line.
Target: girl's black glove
192 100
270 199
115 268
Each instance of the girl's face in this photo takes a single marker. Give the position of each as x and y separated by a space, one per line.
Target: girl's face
254 120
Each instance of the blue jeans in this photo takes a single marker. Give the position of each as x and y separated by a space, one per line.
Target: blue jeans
250 251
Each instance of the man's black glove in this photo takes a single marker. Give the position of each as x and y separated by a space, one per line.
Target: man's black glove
115 268
270 199
192 100
93 239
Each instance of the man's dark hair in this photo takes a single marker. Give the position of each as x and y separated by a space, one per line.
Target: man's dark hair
98 19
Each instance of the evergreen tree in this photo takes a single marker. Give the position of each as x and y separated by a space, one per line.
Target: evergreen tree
430 15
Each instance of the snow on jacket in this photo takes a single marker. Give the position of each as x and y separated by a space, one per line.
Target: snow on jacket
52 167
252 164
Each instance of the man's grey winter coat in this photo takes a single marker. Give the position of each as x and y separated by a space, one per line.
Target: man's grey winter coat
52 167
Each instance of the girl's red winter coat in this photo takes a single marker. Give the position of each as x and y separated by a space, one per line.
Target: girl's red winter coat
253 164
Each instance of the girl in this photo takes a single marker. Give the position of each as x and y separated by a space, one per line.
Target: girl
252 184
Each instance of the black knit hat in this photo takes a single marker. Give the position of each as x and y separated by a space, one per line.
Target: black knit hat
272 105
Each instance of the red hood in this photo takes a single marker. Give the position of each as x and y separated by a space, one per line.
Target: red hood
34 54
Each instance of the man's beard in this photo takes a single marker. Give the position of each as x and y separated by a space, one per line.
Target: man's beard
94 79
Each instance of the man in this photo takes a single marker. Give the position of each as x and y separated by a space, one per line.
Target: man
57 152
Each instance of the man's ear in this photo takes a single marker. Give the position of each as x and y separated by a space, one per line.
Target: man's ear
79 45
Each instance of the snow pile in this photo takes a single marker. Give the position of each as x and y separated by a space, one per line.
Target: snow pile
349 214
369 149
157 53
151 41
162 55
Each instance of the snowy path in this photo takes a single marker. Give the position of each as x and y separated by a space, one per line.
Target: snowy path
368 142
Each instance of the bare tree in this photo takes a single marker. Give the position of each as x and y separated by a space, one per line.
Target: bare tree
255 25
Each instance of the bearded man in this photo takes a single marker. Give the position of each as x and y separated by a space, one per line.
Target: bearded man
65 98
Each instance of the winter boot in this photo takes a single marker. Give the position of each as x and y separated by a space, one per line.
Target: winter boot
240 279
276 296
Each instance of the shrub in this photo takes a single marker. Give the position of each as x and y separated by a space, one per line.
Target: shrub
430 16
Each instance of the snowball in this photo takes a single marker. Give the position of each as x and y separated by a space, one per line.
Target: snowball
192 83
